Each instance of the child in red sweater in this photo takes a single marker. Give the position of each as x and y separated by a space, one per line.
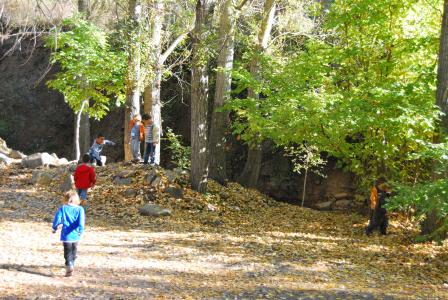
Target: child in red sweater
84 178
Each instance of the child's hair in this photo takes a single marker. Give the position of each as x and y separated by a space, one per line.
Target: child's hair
86 158
146 117
100 135
137 117
71 197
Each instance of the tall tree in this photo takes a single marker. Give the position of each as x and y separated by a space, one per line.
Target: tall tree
157 60
252 167
442 71
219 120
82 121
199 95
431 221
133 79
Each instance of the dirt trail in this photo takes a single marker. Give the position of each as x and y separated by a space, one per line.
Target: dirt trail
329 259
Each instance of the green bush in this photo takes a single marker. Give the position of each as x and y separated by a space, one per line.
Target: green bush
424 199
180 154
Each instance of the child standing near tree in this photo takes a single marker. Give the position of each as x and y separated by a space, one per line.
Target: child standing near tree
151 139
84 177
137 135
72 218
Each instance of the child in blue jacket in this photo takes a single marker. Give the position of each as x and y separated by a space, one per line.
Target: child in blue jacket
72 218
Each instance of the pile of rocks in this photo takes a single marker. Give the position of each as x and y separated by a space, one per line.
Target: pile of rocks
342 202
9 156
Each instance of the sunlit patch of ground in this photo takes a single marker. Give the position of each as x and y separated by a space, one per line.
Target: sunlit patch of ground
279 252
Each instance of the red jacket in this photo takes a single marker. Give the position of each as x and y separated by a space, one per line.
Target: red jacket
84 177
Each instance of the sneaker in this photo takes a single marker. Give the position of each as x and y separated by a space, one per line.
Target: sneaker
69 271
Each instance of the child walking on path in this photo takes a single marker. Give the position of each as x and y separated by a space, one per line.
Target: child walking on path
151 139
97 147
72 218
84 177
137 135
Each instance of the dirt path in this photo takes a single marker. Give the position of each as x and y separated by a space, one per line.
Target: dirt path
316 261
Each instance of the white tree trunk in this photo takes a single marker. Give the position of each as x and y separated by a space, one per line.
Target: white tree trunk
219 121
78 124
133 81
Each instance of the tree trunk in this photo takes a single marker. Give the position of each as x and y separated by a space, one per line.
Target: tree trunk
153 105
251 172
132 106
442 70
199 96
84 8
429 225
82 127
219 121
152 102
78 147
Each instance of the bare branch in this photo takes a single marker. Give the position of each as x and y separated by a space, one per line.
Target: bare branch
173 45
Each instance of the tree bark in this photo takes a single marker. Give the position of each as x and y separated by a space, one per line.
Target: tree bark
151 96
251 172
82 126
78 147
199 96
429 225
132 106
219 121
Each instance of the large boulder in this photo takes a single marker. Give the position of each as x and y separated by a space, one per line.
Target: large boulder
175 192
327 205
4 148
68 183
5 159
42 177
16 154
39 160
154 210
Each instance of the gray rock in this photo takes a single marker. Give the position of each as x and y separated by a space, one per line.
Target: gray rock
171 176
176 192
122 181
38 160
342 204
4 148
129 193
16 154
42 177
152 174
156 182
327 205
63 161
125 174
340 196
5 159
154 210
68 183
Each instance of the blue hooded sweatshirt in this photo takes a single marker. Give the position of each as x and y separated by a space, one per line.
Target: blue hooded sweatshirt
72 218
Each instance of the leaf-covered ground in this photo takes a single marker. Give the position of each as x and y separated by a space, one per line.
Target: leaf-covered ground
231 243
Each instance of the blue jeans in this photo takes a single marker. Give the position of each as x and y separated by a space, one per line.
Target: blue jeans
82 193
149 152
135 148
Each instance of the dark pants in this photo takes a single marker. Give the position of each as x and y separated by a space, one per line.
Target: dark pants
149 152
379 220
70 253
98 161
